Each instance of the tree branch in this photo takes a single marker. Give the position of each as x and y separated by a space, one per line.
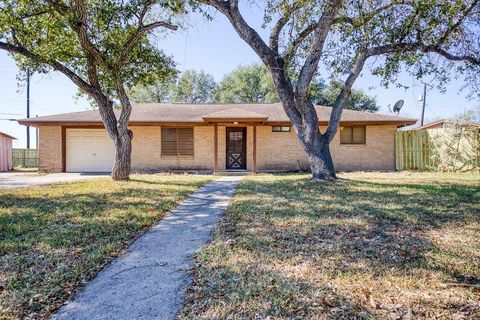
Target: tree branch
412 46
137 35
376 51
81 27
248 34
459 22
360 20
122 122
343 96
19 49
290 52
311 62
275 33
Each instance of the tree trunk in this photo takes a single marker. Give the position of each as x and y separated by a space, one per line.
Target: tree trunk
123 152
121 136
321 163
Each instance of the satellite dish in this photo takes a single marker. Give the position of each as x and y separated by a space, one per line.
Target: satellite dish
398 106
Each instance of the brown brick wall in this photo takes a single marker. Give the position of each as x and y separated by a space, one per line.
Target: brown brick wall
275 150
50 149
283 151
146 150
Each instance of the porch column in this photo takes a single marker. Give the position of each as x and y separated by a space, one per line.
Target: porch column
254 164
215 147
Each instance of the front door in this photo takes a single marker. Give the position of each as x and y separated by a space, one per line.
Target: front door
236 148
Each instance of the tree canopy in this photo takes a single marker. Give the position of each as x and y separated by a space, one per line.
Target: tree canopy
426 37
101 46
194 87
246 84
358 99
157 92
190 86
253 84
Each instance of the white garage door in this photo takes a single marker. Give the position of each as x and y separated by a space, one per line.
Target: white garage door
89 150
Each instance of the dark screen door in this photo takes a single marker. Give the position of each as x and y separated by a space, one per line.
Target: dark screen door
236 148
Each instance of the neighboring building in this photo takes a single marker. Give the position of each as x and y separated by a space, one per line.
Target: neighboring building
216 137
6 163
441 124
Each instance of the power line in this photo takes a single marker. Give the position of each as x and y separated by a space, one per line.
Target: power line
11 114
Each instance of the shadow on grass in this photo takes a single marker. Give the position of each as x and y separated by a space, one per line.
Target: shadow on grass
347 234
53 239
243 292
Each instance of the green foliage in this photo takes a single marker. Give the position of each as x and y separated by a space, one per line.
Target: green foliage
194 87
456 146
246 84
254 84
158 92
358 99
190 87
49 31
442 36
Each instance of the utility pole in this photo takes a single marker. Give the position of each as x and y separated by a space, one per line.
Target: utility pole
36 136
28 107
423 103
424 99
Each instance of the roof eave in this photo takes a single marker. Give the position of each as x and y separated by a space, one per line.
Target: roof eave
239 120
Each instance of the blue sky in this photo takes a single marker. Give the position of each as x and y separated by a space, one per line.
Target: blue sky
214 47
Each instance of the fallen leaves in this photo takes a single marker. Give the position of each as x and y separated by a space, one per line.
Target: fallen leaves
53 239
369 247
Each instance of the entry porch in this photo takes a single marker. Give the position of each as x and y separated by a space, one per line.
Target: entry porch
239 147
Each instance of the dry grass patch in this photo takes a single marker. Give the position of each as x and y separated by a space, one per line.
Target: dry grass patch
53 239
370 246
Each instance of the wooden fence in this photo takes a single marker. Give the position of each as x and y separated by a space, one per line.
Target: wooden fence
26 158
438 149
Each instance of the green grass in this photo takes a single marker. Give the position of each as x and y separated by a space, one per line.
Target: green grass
53 239
369 246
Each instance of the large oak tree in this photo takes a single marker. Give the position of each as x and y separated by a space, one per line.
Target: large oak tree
423 36
101 46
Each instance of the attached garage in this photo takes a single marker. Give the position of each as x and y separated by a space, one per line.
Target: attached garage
88 150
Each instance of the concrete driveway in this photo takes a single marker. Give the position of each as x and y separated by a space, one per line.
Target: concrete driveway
10 180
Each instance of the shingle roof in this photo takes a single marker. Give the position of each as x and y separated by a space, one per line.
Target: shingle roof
442 122
7 135
193 113
234 114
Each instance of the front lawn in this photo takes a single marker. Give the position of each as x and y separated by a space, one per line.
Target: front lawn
53 239
371 245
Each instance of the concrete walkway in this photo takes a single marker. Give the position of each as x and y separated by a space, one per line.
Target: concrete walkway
10 180
149 281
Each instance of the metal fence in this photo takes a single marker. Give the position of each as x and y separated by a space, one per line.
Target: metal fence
25 158
438 149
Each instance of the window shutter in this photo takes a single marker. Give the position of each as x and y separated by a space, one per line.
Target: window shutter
353 135
346 135
185 141
177 142
358 135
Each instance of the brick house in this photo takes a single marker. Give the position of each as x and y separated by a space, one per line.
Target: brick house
216 137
